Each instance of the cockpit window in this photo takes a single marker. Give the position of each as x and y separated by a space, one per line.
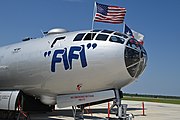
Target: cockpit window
116 39
135 57
134 44
132 56
102 37
89 36
121 35
107 31
79 37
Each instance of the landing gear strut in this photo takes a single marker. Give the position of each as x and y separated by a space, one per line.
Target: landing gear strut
74 109
121 108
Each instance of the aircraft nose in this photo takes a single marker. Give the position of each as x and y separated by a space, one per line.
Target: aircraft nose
135 58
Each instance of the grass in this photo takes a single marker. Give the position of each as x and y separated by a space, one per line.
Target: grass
150 99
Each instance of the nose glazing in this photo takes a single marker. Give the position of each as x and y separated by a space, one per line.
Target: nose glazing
135 58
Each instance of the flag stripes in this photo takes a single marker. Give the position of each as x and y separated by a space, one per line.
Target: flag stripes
109 14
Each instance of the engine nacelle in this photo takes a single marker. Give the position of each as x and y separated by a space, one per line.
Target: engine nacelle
9 99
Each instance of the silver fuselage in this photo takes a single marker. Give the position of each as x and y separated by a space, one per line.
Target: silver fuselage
31 66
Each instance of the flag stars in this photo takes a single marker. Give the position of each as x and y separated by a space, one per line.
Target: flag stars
128 33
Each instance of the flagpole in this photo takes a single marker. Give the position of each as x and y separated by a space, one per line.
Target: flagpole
92 27
124 23
124 27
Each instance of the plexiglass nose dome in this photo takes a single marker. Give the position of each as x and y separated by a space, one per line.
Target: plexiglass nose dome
135 57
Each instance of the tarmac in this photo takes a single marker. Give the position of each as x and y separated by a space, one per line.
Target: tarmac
153 111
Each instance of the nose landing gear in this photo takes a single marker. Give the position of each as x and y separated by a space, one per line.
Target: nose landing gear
121 109
117 108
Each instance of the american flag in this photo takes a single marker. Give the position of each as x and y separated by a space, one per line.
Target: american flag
109 14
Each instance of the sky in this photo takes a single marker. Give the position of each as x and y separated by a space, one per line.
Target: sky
158 20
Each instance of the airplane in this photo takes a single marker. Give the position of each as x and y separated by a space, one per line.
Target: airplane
69 69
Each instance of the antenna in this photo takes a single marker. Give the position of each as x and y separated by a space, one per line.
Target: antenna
44 33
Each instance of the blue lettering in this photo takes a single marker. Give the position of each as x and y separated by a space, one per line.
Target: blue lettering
72 55
57 59
83 57
65 60
75 53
